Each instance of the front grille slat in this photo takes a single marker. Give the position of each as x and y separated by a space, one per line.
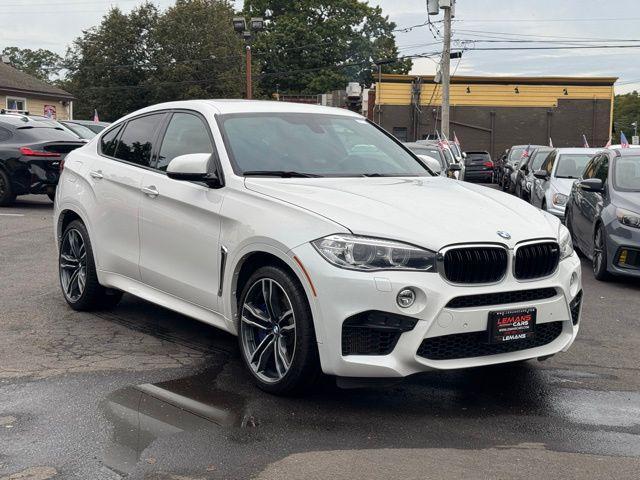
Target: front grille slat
501 298
536 260
475 265
475 344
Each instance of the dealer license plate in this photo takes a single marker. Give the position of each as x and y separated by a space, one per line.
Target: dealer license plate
512 325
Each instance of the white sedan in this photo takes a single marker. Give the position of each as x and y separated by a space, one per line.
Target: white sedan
317 238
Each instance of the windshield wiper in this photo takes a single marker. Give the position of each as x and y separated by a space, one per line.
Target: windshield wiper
278 173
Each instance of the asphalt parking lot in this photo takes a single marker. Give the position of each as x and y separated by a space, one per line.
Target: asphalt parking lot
142 392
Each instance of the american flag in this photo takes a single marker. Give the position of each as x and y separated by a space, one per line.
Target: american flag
550 143
525 153
95 115
624 143
455 139
608 142
585 144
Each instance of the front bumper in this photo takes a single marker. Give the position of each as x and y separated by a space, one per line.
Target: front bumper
619 238
342 294
556 210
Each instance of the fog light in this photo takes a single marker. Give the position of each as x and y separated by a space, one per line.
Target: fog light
622 259
406 297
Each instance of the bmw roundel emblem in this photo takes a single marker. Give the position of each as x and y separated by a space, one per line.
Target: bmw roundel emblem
503 234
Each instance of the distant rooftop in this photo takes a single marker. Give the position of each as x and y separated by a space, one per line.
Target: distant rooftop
509 80
15 81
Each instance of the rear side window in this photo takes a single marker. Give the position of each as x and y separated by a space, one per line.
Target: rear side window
38 134
549 162
109 141
185 134
136 142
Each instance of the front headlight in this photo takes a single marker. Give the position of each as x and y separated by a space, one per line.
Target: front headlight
369 254
566 244
559 199
628 218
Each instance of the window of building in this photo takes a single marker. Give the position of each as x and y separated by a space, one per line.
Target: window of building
400 133
16 104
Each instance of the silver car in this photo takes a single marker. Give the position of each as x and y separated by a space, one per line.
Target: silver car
553 182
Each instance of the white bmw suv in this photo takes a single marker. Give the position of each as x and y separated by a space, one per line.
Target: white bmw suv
317 238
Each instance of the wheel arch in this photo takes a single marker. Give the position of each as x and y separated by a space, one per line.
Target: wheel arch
248 261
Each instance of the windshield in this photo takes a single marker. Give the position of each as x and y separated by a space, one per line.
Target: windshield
539 157
572 165
626 175
81 130
315 144
516 154
431 152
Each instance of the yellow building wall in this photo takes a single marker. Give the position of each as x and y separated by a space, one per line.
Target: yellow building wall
509 95
35 106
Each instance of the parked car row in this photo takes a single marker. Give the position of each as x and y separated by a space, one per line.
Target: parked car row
32 151
595 192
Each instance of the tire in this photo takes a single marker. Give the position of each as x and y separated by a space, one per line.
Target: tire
267 346
599 257
77 272
7 197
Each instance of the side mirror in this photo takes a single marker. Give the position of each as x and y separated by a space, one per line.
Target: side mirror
432 163
454 167
541 174
193 167
591 185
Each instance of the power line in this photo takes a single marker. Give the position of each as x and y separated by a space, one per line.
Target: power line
543 20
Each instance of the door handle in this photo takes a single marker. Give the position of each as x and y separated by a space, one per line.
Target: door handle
150 191
97 174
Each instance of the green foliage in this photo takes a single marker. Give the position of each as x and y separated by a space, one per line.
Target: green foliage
133 60
626 110
318 46
41 63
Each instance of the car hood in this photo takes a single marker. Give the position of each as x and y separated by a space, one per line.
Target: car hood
563 185
431 212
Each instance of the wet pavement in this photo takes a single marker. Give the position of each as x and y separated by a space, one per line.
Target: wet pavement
144 393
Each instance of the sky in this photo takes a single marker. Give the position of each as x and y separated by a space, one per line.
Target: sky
478 24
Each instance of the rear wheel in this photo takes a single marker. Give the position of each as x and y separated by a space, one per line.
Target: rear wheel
276 334
77 272
7 196
599 260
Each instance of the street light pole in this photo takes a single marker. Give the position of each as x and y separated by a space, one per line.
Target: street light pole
256 24
445 70
248 69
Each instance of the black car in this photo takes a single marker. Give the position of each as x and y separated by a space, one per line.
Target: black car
524 174
603 213
478 167
31 156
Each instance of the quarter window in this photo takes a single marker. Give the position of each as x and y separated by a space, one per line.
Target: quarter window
136 142
109 141
592 167
548 163
185 134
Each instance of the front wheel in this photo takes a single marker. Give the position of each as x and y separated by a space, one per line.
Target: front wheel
276 334
599 260
77 271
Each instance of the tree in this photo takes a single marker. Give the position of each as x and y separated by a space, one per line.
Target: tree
626 110
109 65
41 63
197 55
317 46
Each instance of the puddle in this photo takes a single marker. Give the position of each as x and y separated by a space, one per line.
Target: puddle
214 420
141 414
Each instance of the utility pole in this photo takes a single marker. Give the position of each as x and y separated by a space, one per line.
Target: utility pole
444 68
